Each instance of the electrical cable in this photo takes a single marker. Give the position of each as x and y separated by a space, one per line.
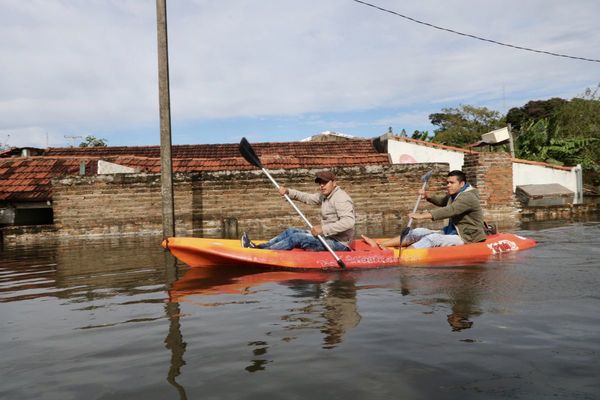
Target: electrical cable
474 36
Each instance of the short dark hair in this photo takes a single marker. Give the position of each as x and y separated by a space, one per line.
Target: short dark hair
458 174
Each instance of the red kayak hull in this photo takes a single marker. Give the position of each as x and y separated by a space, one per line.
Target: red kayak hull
204 252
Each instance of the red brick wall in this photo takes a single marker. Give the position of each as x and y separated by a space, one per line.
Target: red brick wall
117 204
491 173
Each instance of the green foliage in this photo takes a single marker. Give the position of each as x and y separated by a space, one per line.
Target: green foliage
533 110
420 135
559 131
532 139
92 141
539 143
569 133
464 125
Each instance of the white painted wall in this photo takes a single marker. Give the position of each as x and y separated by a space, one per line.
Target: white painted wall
528 174
404 153
105 167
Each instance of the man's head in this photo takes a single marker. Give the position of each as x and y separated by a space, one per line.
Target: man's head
455 181
326 181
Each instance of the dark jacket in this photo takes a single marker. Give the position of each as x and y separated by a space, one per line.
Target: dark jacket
464 212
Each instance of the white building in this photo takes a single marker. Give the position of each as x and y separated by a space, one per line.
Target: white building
404 150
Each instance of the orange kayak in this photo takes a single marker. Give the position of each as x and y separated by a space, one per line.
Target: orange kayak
204 252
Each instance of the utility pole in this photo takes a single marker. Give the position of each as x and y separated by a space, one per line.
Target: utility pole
166 163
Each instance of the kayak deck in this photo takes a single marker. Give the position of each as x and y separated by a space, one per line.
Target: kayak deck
204 252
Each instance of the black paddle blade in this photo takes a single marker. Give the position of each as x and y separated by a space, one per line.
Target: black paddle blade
405 232
249 154
341 263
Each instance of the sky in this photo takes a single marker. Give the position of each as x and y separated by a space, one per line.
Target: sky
278 70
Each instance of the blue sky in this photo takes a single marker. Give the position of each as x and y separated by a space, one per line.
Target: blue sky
278 70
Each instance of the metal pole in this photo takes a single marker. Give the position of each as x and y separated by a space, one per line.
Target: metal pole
166 165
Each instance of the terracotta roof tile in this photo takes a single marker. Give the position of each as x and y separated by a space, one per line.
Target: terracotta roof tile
358 146
238 163
28 178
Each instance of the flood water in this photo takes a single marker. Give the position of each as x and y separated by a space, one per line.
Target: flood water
109 319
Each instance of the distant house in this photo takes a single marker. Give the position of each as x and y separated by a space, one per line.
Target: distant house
26 173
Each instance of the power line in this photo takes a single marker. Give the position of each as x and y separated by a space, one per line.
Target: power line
474 36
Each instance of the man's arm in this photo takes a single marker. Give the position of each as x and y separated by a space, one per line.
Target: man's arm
306 198
463 203
439 200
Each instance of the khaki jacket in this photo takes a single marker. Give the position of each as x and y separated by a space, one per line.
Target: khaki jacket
337 212
465 213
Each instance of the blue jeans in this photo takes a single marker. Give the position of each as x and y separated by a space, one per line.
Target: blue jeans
421 238
293 238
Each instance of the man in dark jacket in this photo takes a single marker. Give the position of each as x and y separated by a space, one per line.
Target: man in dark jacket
460 205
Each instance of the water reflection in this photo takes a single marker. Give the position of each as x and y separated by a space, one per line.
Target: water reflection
458 287
340 311
325 301
80 271
174 340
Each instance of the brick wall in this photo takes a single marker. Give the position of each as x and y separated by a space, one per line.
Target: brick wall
223 204
491 173
382 196
217 204
117 204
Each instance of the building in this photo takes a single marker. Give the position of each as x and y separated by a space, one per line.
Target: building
116 190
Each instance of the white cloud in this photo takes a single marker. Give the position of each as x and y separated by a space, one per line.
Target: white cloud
92 66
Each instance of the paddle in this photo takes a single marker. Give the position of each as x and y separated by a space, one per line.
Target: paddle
425 180
250 156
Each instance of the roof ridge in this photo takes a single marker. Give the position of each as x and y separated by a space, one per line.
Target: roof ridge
432 144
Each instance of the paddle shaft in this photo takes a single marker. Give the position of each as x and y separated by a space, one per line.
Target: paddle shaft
410 220
289 200
406 230
321 238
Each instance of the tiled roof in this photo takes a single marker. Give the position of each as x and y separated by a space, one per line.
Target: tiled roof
238 163
18 151
298 149
28 178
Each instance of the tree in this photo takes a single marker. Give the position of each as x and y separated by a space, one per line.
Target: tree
579 120
533 110
420 135
561 131
464 125
92 141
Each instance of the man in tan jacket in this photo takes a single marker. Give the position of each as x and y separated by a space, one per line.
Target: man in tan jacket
337 219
